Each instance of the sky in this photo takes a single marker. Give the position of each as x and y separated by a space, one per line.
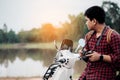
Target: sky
28 14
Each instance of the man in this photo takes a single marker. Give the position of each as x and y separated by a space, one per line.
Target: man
104 56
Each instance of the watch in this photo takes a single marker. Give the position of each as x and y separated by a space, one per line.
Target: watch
101 58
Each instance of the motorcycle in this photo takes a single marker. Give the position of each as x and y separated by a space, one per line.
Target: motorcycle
62 67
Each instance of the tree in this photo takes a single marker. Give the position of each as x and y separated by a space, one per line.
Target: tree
22 35
34 35
112 14
47 32
12 37
75 27
5 27
1 36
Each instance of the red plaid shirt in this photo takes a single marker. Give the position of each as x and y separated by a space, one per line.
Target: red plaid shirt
103 70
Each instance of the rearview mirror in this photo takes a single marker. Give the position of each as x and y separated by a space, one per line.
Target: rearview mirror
81 42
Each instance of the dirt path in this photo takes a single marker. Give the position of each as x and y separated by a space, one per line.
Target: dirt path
38 78
30 78
20 78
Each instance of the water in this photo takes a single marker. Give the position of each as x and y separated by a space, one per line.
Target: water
29 62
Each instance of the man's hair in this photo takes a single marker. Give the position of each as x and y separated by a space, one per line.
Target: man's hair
95 12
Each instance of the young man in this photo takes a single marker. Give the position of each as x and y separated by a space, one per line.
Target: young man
105 55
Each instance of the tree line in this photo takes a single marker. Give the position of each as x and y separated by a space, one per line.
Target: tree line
73 29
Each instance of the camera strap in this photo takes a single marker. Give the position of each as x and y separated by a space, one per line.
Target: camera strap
98 41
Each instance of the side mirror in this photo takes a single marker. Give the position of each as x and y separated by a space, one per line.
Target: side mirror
81 43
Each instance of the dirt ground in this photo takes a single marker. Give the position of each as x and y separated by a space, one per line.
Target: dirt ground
20 78
38 78
29 78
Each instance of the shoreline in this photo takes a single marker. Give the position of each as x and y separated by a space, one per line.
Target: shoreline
20 78
49 45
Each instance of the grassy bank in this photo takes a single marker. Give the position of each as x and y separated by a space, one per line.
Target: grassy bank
27 46
31 45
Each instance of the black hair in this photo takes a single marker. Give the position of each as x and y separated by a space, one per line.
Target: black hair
95 12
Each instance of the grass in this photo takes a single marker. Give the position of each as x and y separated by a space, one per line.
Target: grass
27 46
49 45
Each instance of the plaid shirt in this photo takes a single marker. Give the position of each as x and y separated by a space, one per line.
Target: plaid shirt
103 70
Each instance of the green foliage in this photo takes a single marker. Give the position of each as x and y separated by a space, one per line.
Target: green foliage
73 29
48 32
112 14
8 37
1 36
12 37
23 36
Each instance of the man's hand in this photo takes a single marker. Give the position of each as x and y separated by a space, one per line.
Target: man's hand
95 56
80 52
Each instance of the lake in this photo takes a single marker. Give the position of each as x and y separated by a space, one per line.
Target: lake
29 62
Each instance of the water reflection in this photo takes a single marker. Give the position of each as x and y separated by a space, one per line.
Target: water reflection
28 62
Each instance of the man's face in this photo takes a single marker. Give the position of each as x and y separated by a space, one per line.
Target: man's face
90 23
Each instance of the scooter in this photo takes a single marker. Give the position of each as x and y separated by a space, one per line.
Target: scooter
62 67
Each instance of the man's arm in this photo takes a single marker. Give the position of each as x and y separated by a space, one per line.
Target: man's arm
95 56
